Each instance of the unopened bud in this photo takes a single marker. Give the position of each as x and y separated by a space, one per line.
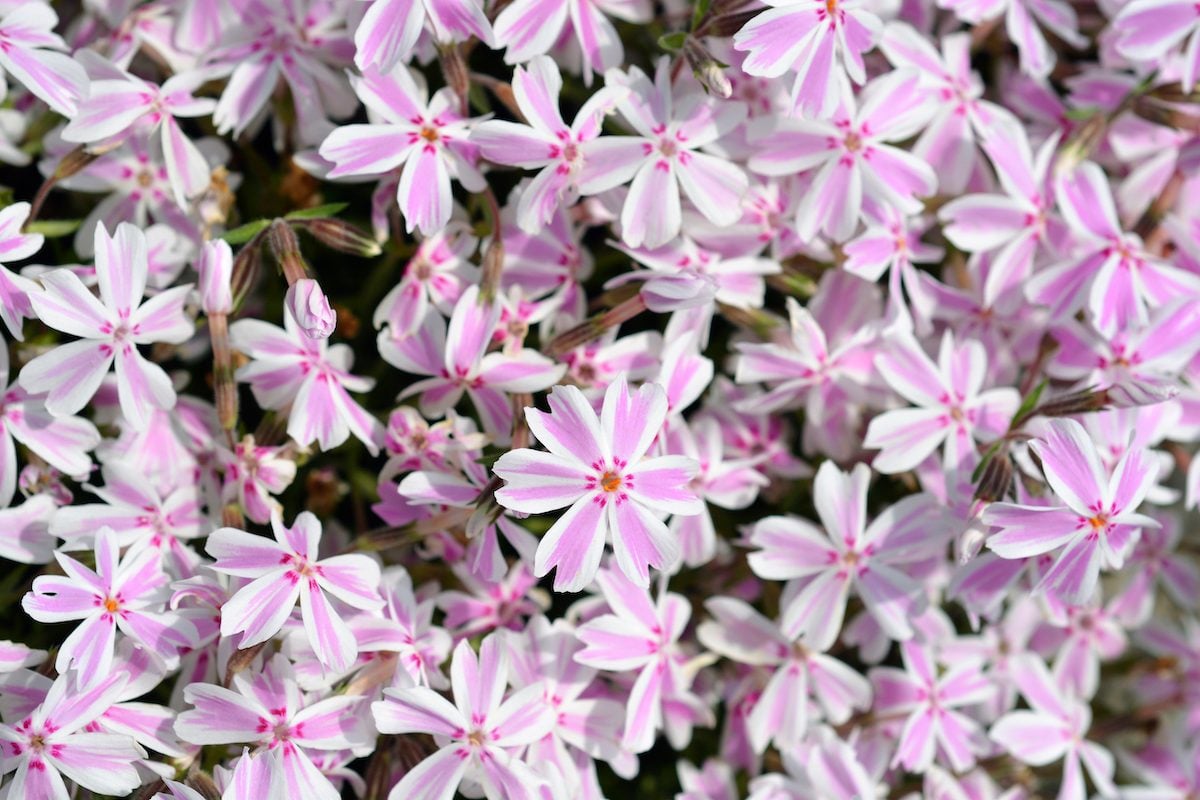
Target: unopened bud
215 267
286 249
1069 405
708 71
310 308
1080 146
341 236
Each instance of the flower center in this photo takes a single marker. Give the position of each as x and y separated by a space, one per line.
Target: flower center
1098 522
831 6
668 148
429 134
853 141
610 481
476 738
112 605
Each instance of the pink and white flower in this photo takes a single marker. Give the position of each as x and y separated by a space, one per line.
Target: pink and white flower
597 467
286 570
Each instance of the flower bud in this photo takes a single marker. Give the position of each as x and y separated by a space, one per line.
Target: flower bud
341 236
310 308
215 267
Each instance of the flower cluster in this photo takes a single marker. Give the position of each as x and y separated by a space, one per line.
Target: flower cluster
556 399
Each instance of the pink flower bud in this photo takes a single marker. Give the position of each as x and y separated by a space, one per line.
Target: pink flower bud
310 308
215 266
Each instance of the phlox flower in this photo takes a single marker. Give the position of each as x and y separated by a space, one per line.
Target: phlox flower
1013 226
934 726
122 594
873 559
426 135
268 709
963 118
1021 22
1143 364
823 40
405 627
1109 273
1146 30
640 633
799 677
309 378
572 158
480 735
437 274
56 739
1097 523
62 441
110 328
829 769
286 570
254 473
486 605
390 29
953 408
118 101
597 467
16 245
139 516
587 724
455 357
1052 730
529 28
731 483
30 55
822 361
302 44
852 157
665 157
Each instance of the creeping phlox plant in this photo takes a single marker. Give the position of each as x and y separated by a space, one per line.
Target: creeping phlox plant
570 399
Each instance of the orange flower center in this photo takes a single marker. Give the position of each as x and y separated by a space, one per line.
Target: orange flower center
429 134
610 481
111 605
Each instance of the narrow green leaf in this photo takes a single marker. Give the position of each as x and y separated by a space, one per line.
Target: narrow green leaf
245 233
53 228
317 212
700 12
672 42
1028 404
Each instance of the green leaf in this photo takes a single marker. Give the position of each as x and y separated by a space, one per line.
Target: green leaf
245 233
53 228
317 212
988 455
1028 404
672 42
700 12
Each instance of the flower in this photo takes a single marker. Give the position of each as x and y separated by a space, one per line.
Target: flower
1052 730
30 56
426 135
952 408
1146 30
15 245
641 634
307 377
119 102
875 559
530 28
665 157
933 726
852 157
1096 524
309 306
390 29
55 740
481 733
562 152
456 359
287 570
110 329
597 467
268 709
823 40
125 594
